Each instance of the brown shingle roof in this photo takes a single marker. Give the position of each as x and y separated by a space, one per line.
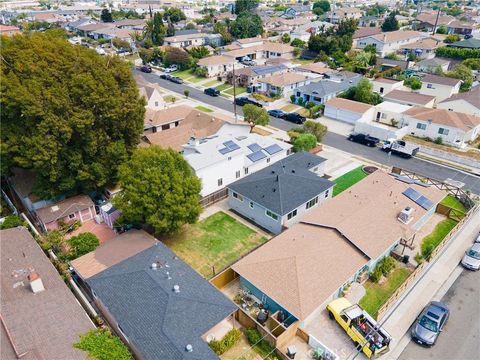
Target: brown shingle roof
472 97
282 80
347 104
216 60
397 35
366 31
112 252
166 116
428 43
411 97
444 117
64 208
44 325
318 67
442 80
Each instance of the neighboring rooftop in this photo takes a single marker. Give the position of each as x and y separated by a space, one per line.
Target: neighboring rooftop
349 105
158 320
426 43
167 116
441 80
46 324
392 107
329 86
472 97
398 35
64 208
434 62
387 81
281 80
409 97
216 60
284 185
453 119
471 43
366 31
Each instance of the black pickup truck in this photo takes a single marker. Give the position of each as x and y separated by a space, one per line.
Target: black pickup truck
364 139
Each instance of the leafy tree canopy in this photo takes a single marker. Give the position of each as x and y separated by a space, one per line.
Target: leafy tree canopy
82 244
255 115
106 16
316 129
473 64
390 23
100 344
246 25
304 142
245 5
463 73
222 29
321 7
174 14
413 83
160 189
12 221
363 92
68 114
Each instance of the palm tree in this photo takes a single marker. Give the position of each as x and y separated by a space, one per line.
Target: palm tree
148 29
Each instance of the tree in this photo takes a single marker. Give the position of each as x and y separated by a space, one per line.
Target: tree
68 114
12 221
285 38
106 16
413 83
155 29
298 43
160 189
82 244
222 29
363 92
390 23
199 52
246 25
255 115
463 73
345 27
451 38
100 344
304 142
174 14
316 129
442 29
186 93
473 64
177 56
242 6
170 29
321 7
146 55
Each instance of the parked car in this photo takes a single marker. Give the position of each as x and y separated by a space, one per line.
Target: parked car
165 76
146 69
176 80
295 118
211 92
364 139
471 259
277 113
241 101
249 62
171 68
477 240
430 323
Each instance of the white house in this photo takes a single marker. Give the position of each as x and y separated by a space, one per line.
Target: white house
221 159
439 86
348 110
467 103
389 42
283 83
384 86
410 98
337 15
152 96
453 128
391 113
217 65
432 65
195 39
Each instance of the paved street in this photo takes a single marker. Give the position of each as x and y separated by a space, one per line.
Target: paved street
416 165
461 337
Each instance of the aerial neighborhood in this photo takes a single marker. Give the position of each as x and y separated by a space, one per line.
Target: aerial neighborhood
240 179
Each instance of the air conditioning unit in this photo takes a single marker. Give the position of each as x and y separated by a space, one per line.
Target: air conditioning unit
406 215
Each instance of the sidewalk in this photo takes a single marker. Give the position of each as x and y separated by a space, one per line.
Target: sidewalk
400 317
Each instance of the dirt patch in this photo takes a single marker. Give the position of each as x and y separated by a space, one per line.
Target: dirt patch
369 169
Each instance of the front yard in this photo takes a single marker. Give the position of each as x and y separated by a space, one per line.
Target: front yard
343 182
203 108
214 243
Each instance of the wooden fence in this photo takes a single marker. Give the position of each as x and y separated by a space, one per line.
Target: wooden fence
213 198
420 268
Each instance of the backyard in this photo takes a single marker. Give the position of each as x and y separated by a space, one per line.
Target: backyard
343 182
430 242
452 202
214 243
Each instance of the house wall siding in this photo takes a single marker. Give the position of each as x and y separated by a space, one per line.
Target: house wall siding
455 137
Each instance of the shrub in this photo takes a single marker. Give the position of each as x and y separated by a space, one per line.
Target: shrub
309 104
387 265
231 338
304 142
418 258
12 221
201 71
457 53
300 101
316 129
82 244
102 345
438 140
293 99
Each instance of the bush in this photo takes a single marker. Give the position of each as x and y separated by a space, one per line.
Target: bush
376 275
418 258
458 53
82 244
293 99
387 265
100 344
309 104
451 38
438 140
253 336
304 142
201 71
12 221
316 129
261 346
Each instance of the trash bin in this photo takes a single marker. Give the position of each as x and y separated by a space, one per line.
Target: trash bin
291 351
406 258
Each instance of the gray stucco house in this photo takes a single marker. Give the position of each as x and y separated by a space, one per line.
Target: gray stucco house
278 195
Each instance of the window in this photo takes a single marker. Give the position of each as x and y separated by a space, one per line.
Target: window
156 103
220 182
246 171
384 116
71 216
312 202
237 196
429 86
251 204
237 174
292 214
271 214
381 90
268 160
421 126
166 127
326 193
443 131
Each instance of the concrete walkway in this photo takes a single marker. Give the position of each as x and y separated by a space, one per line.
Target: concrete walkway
400 317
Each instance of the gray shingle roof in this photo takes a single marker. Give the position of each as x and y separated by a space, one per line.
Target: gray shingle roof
156 320
284 185
326 87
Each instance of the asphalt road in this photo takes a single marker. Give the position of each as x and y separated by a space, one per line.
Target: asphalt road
460 339
416 165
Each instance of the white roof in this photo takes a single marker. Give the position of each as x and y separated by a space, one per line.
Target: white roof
207 152
392 107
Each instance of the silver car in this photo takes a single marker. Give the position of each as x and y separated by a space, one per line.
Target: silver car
471 259
430 323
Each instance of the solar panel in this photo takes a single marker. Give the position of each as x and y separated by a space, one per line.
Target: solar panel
418 198
424 203
254 147
225 150
257 155
273 149
231 145
412 194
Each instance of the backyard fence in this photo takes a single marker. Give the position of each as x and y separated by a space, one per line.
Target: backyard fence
213 198
420 268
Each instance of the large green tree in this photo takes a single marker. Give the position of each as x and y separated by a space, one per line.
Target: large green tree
390 23
463 73
69 114
245 5
106 16
160 189
363 92
155 29
255 115
174 14
246 25
321 7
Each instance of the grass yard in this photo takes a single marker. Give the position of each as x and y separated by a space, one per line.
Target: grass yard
195 79
169 98
304 112
223 87
289 107
378 294
203 108
183 74
238 90
216 241
451 201
343 182
302 61
212 83
430 242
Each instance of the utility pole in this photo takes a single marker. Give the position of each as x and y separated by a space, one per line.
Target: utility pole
234 93
436 21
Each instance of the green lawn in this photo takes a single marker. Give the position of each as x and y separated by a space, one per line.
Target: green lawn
196 79
203 108
217 241
169 98
289 107
378 294
302 61
451 201
223 87
238 90
343 182
431 241
212 83
183 74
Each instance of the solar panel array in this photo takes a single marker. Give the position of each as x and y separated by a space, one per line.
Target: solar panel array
273 149
254 147
418 198
229 147
256 156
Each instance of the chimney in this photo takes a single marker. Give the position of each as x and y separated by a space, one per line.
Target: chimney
189 348
36 283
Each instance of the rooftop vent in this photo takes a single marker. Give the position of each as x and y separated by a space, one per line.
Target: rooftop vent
54 208
189 348
154 266
176 289
36 283
406 215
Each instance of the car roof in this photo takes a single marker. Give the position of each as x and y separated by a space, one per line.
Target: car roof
435 312
476 247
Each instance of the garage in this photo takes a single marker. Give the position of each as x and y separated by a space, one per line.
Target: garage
348 111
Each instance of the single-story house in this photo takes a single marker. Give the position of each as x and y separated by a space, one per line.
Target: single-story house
279 195
432 65
467 102
261 52
384 86
454 128
471 43
390 42
303 32
410 98
363 32
391 113
217 65
251 74
314 68
9 30
423 48
76 208
158 305
356 229
429 20
194 39
282 84
337 15
439 86
165 119
348 110
387 64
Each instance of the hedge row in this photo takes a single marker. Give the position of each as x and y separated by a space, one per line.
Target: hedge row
458 53
228 341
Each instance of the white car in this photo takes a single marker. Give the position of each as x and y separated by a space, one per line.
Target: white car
171 68
471 259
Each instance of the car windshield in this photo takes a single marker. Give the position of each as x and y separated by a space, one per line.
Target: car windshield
474 254
428 324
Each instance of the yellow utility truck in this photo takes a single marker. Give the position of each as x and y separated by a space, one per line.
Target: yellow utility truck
360 326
